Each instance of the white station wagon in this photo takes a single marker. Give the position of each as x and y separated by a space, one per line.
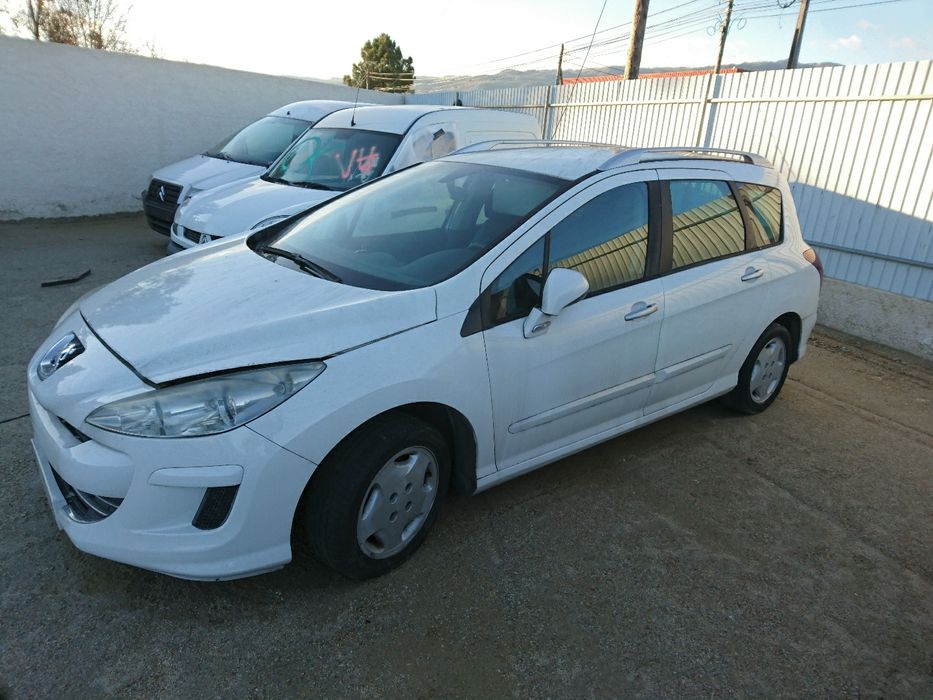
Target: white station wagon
460 322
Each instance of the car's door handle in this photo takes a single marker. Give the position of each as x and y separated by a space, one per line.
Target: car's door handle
752 273
640 310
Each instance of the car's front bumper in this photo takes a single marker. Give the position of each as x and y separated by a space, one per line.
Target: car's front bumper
159 487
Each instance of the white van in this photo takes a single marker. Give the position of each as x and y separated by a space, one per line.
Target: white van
245 154
345 149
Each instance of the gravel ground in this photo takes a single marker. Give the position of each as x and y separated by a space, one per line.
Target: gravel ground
789 553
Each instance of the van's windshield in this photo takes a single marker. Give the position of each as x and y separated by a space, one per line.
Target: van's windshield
415 228
261 142
334 159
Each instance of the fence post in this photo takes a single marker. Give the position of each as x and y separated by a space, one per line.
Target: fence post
701 122
547 111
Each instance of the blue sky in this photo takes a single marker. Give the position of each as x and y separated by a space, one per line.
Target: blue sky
314 39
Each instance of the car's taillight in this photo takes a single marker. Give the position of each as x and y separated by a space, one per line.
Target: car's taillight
811 257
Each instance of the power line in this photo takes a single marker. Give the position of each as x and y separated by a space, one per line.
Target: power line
585 36
671 29
573 88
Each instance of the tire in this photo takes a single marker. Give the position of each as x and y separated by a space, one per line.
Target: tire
372 481
763 373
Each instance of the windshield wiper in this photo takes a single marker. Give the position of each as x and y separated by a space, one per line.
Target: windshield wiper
301 261
309 185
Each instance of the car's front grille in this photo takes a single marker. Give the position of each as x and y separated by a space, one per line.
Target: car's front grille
85 507
195 236
164 192
160 204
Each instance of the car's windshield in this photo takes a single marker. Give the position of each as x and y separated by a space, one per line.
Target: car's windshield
261 142
419 226
335 159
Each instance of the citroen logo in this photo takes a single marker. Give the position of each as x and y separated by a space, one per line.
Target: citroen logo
162 192
63 352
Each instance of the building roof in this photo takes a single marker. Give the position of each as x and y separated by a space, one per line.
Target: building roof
646 76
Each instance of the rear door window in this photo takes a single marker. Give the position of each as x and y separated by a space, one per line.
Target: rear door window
707 223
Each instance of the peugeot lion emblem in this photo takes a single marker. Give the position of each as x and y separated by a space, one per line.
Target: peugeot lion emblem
162 192
63 352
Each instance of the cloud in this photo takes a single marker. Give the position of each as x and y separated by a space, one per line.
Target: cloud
866 26
848 43
915 48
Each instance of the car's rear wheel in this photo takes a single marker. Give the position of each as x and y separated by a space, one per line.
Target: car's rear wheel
375 498
763 373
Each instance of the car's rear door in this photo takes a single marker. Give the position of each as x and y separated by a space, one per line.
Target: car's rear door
714 288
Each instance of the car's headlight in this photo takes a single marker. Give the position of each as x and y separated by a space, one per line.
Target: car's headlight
205 406
268 222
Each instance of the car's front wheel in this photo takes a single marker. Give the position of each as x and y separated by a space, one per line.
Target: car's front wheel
763 373
376 496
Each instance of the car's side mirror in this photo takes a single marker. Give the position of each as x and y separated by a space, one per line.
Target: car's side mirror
561 289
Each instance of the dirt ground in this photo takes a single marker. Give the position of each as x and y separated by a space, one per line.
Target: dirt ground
790 553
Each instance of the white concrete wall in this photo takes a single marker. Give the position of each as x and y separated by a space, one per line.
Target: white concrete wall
81 130
890 319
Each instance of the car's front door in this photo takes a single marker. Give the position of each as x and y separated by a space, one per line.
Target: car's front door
591 368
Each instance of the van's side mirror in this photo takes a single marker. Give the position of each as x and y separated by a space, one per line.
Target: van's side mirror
561 289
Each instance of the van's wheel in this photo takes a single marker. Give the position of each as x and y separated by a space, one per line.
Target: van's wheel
764 372
376 496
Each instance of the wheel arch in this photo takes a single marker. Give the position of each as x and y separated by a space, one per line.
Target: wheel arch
456 429
792 322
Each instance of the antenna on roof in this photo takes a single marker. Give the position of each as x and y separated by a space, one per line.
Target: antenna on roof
355 101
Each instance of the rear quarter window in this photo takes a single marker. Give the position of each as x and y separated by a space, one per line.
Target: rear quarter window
765 214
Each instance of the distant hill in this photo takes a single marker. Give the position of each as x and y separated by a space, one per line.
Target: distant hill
530 78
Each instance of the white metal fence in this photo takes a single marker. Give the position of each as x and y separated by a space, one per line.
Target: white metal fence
855 141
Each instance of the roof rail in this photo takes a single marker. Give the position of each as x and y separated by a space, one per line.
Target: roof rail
634 156
531 143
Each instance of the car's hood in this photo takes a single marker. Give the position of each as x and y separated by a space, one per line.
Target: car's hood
235 208
222 306
204 173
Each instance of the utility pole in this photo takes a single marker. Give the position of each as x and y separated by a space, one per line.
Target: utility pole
711 79
798 34
560 66
639 19
723 33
